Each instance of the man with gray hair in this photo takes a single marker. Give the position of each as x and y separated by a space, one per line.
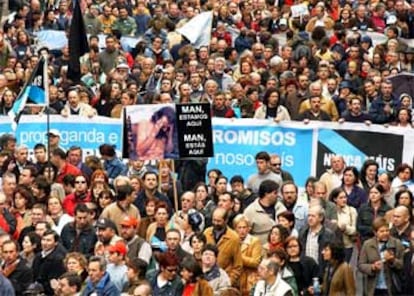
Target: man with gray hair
223 80
271 282
315 235
99 281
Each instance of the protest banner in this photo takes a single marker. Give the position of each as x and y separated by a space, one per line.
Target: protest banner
152 132
194 130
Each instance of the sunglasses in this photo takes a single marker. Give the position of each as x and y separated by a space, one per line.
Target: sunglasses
80 182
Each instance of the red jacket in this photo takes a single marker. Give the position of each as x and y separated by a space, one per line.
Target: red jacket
68 169
71 200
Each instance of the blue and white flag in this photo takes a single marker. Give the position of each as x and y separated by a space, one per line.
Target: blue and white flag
198 29
34 92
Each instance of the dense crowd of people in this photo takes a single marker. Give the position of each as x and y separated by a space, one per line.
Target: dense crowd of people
72 225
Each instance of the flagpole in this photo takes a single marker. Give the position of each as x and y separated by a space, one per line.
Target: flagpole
46 86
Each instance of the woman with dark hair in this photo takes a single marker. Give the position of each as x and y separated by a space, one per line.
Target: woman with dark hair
31 245
356 196
304 268
287 220
309 189
369 174
197 242
150 205
105 198
376 207
280 256
403 118
22 205
136 274
50 172
155 138
338 277
403 197
193 278
276 239
112 164
346 221
403 175
271 107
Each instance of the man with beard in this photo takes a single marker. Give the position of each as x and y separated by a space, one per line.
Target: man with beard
107 235
228 244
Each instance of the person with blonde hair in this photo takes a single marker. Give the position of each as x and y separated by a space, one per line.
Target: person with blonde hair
251 250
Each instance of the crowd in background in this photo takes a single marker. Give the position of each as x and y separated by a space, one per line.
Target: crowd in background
99 226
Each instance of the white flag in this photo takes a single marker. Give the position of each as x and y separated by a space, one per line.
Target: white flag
198 29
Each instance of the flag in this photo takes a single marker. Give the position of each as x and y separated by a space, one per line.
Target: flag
35 92
198 29
78 43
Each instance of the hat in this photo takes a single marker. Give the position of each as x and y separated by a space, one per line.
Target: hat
118 247
54 133
104 223
34 289
345 84
283 22
129 221
122 66
366 39
391 19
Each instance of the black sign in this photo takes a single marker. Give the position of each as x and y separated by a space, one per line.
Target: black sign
195 139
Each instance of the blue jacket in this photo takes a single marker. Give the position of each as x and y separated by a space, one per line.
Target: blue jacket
172 288
104 288
115 167
6 288
377 110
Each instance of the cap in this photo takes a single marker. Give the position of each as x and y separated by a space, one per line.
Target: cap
129 221
122 66
366 39
118 247
283 22
104 223
54 133
345 84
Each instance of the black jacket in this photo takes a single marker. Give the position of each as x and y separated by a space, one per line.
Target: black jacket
21 277
49 267
366 217
83 243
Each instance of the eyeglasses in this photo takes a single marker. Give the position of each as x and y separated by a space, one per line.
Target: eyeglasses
80 182
276 164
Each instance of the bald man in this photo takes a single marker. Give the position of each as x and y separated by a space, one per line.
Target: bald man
401 228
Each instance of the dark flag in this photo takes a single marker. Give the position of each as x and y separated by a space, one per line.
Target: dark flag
78 43
34 92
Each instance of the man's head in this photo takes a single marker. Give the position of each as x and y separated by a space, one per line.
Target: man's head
173 239
315 104
75 155
268 189
209 256
40 153
289 193
58 157
268 269
81 185
337 164
117 252
262 162
226 201
401 217
27 175
38 213
9 183
70 284
82 216
106 230
276 164
385 180
54 138
9 251
316 216
128 227
237 184
96 268
50 240
187 201
320 191
150 181
21 154
220 217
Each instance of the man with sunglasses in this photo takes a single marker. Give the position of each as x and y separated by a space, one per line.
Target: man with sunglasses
165 281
